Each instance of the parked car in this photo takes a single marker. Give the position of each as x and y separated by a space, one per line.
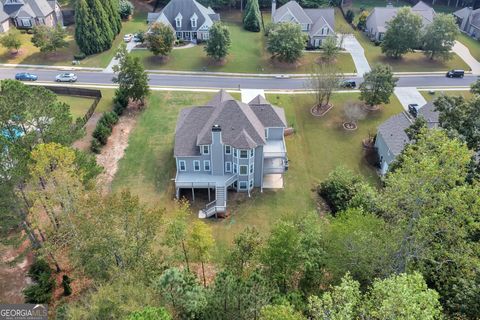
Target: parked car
66 77
455 74
282 76
413 109
348 84
25 76
128 37
137 37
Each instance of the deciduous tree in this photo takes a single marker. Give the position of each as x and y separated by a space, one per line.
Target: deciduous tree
330 49
160 39
11 40
218 44
201 243
324 79
378 85
286 42
49 39
440 36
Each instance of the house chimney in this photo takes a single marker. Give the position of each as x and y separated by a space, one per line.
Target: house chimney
216 153
274 8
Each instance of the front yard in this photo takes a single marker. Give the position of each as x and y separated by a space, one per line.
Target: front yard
247 55
318 146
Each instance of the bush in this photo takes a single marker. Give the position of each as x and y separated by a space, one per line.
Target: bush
349 16
67 289
126 9
118 108
101 133
109 119
96 146
41 291
120 102
30 31
79 56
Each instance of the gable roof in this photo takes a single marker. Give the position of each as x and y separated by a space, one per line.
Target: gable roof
381 15
295 9
393 132
316 17
26 8
187 9
243 126
429 113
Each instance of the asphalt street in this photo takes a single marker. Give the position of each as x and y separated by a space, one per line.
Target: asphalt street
225 82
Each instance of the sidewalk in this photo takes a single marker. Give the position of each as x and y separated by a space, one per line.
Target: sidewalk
114 62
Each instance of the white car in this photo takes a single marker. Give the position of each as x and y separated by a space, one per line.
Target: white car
66 77
128 37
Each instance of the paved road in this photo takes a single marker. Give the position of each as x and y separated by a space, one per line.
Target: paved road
216 82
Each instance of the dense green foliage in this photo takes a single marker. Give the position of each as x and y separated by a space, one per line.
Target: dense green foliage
439 36
49 39
252 20
218 44
42 289
125 8
160 39
96 24
403 33
286 42
11 40
378 85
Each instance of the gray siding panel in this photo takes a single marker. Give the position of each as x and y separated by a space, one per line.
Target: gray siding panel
275 133
216 151
258 169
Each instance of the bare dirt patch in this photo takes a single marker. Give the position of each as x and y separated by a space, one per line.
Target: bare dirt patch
114 150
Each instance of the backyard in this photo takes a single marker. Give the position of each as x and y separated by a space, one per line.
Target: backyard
430 97
318 146
247 54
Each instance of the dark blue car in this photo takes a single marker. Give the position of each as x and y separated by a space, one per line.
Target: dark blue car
25 76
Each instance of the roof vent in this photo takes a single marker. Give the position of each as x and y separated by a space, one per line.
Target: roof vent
216 128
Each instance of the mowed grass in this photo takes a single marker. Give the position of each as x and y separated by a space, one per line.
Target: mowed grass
317 147
29 54
463 93
78 105
411 62
247 55
473 45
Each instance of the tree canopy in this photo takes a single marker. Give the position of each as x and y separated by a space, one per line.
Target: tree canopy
378 85
286 42
218 44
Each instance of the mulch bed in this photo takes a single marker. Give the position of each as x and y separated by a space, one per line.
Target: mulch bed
371 108
320 111
349 126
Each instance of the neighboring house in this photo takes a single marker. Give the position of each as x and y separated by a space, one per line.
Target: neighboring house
25 14
227 144
469 21
318 24
391 138
188 19
377 20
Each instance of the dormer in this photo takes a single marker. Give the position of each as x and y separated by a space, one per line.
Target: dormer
178 20
13 2
193 20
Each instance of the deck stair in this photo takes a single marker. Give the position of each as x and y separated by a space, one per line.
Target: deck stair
217 206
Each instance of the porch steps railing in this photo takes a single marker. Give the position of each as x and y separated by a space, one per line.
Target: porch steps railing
219 205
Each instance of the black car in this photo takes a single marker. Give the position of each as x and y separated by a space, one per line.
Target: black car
348 84
413 109
455 74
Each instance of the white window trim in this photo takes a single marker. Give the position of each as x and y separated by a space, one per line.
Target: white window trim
228 166
241 154
235 153
251 168
194 166
235 168
240 185
194 22
206 163
240 170
203 149
180 162
251 184
230 148
252 153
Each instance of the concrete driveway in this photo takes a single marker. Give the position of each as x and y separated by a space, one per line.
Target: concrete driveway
462 51
408 95
352 46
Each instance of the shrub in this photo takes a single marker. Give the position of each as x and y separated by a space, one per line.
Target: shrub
30 31
41 290
67 289
109 119
120 102
79 56
96 146
126 9
101 133
118 108
349 16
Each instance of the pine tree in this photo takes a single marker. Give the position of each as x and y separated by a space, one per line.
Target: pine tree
85 28
252 18
106 35
113 13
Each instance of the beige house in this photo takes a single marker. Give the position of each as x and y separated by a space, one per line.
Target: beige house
25 14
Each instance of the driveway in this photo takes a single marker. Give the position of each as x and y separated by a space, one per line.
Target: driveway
352 46
462 51
408 95
114 62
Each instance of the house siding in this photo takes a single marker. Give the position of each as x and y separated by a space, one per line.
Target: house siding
384 154
258 171
275 133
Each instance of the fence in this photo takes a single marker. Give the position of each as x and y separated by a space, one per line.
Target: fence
80 92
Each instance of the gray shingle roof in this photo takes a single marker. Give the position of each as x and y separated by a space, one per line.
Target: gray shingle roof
393 132
431 116
28 8
243 126
320 17
380 16
187 8
296 10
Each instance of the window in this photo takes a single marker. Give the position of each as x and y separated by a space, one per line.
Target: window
243 185
243 154
252 153
206 149
206 35
26 23
243 170
182 165
206 165
196 165
178 20
251 184
228 167
251 168
324 30
235 168
235 154
228 150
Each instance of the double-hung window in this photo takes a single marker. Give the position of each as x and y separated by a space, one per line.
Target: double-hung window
235 153
243 154
235 168
206 165
206 149
196 165
243 170
251 168
243 185
251 184
228 166
182 166
228 150
252 152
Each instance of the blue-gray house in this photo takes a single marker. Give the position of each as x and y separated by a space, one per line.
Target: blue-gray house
391 138
227 144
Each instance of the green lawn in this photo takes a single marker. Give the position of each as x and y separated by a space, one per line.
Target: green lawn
472 45
430 97
318 146
29 54
411 62
78 105
247 55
